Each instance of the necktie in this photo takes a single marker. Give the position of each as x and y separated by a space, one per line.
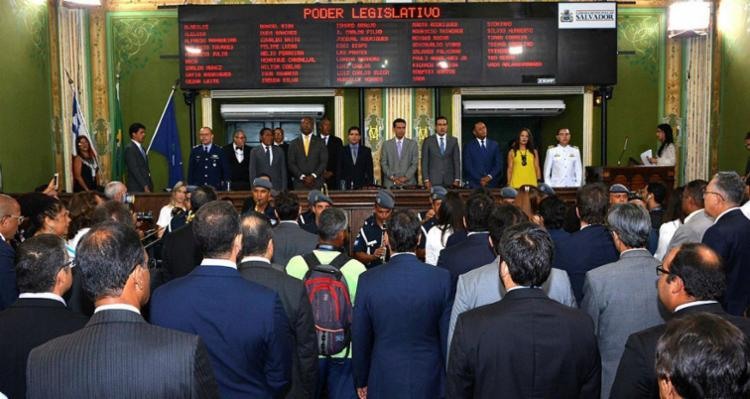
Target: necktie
239 154
398 148
268 154
143 153
306 142
483 146
442 145
205 149
354 155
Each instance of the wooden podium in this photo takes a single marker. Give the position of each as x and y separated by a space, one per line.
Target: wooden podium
633 177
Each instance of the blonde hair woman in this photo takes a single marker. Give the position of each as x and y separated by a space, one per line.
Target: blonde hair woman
178 202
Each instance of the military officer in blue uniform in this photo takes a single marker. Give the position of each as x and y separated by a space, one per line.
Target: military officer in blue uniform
371 246
208 165
428 218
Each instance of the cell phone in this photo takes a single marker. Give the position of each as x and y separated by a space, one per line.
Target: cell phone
56 178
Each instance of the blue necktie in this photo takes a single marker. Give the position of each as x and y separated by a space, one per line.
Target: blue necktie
442 145
354 155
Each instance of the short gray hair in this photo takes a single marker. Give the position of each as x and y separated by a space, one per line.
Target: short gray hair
332 221
730 184
631 223
111 189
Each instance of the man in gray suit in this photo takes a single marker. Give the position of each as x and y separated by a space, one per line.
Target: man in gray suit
308 157
289 239
441 158
136 160
398 158
621 297
697 221
268 159
117 354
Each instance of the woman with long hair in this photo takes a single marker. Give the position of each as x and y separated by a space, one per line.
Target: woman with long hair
450 220
523 161
179 203
667 153
670 223
81 208
85 167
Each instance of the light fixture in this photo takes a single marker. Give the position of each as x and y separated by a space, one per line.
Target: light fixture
81 3
689 18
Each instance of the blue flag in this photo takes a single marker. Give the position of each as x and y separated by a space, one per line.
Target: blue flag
166 141
79 127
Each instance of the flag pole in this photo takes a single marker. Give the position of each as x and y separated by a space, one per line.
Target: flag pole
171 93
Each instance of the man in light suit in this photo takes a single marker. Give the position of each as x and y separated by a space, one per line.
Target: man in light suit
691 281
696 222
482 160
334 146
289 239
117 354
40 313
257 250
237 154
729 237
269 159
308 157
482 286
10 219
621 297
441 157
355 162
525 345
398 158
253 358
136 160
399 340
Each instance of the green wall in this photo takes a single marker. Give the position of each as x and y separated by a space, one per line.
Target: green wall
734 119
25 110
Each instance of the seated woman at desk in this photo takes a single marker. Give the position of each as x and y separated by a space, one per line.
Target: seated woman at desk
667 153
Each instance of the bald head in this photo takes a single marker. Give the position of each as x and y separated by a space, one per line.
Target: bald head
256 235
10 213
699 270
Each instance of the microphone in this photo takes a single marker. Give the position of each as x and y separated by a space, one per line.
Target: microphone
624 148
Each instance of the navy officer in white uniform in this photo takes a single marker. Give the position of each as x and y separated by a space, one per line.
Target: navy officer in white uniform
562 165
208 164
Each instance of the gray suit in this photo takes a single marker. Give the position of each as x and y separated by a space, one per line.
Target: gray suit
392 165
692 230
621 298
315 161
139 173
258 165
482 286
441 169
119 355
290 240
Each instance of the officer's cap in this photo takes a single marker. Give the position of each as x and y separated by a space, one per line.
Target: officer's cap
508 192
263 183
438 193
618 188
385 199
546 189
318 197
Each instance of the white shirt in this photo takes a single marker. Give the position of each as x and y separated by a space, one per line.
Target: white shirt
724 213
117 306
325 138
73 242
219 262
745 209
140 147
165 216
270 149
255 259
690 304
239 153
42 295
666 232
435 242
668 156
562 166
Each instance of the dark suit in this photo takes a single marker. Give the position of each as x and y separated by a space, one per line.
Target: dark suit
238 170
180 253
334 147
139 172
359 174
399 340
118 355
315 161
441 169
480 162
8 289
243 325
258 164
209 168
636 377
25 325
582 251
290 240
467 255
299 311
729 238
526 345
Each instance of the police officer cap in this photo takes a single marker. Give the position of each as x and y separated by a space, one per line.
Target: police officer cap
263 183
508 192
547 189
385 199
319 197
312 195
438 193
618 188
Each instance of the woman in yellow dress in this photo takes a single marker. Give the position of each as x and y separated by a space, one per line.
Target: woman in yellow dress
523 161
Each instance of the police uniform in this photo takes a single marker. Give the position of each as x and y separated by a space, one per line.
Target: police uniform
369 239
562 166
208 168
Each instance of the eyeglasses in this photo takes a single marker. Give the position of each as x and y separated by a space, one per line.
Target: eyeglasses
714 193
70 263
20 218
661 270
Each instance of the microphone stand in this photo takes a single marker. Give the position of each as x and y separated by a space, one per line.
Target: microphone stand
624 148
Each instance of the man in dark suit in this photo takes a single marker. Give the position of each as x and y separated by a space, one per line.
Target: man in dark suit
180 252
40 313
334 147
10 219
525 345
691 281
482 160
207 164
136 160
475 250
308 157
289 239
355 162
729 237
268 159
278 141
117 354
656 194
242 323
441 157
592 245
399 340
258 248
237 154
